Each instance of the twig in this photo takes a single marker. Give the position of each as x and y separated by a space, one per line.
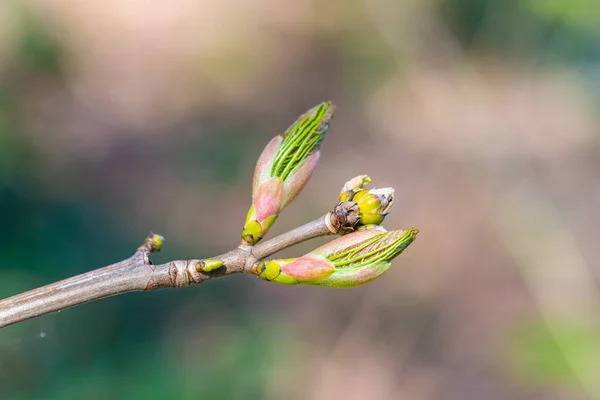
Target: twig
282 170
137 273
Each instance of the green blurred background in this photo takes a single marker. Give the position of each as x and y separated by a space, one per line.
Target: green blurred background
120 117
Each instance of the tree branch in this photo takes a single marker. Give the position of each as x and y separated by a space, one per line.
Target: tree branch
282 170
137 273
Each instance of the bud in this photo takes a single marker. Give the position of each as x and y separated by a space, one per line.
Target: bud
292 271
283 169
154 242
353 186
374 204
208 265
348 261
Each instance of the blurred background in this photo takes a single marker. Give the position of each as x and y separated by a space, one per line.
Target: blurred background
121 117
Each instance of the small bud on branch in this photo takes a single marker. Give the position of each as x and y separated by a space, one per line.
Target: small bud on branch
374 204
154 242
208 265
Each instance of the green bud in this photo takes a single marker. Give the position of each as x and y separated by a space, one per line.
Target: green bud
284 168
367 260
208 265
272 271
301 140
348 261
374 205
154 242
380 247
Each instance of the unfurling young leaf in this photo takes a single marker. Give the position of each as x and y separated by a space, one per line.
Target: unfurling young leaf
350 260
283 169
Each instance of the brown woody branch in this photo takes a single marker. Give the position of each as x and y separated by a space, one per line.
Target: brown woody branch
137 273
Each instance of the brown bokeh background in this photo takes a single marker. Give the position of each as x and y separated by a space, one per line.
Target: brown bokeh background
118 117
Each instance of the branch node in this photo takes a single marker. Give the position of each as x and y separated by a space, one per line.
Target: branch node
344 217
184 273
329 219
151 285
245 247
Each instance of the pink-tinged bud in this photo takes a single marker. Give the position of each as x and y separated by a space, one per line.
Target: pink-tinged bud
363 256
309 268
292 271
266 205
352 277
348 261
296 182
291 158
262 172
346 241
269 198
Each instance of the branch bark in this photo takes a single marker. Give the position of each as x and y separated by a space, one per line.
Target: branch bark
137 273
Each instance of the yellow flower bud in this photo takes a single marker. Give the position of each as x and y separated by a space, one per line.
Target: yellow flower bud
374 205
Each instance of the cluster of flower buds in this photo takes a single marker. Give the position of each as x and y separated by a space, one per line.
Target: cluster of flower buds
350 260
283 169
374 204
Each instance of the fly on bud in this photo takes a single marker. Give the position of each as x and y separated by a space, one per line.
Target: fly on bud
348 261
374 204
283 169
